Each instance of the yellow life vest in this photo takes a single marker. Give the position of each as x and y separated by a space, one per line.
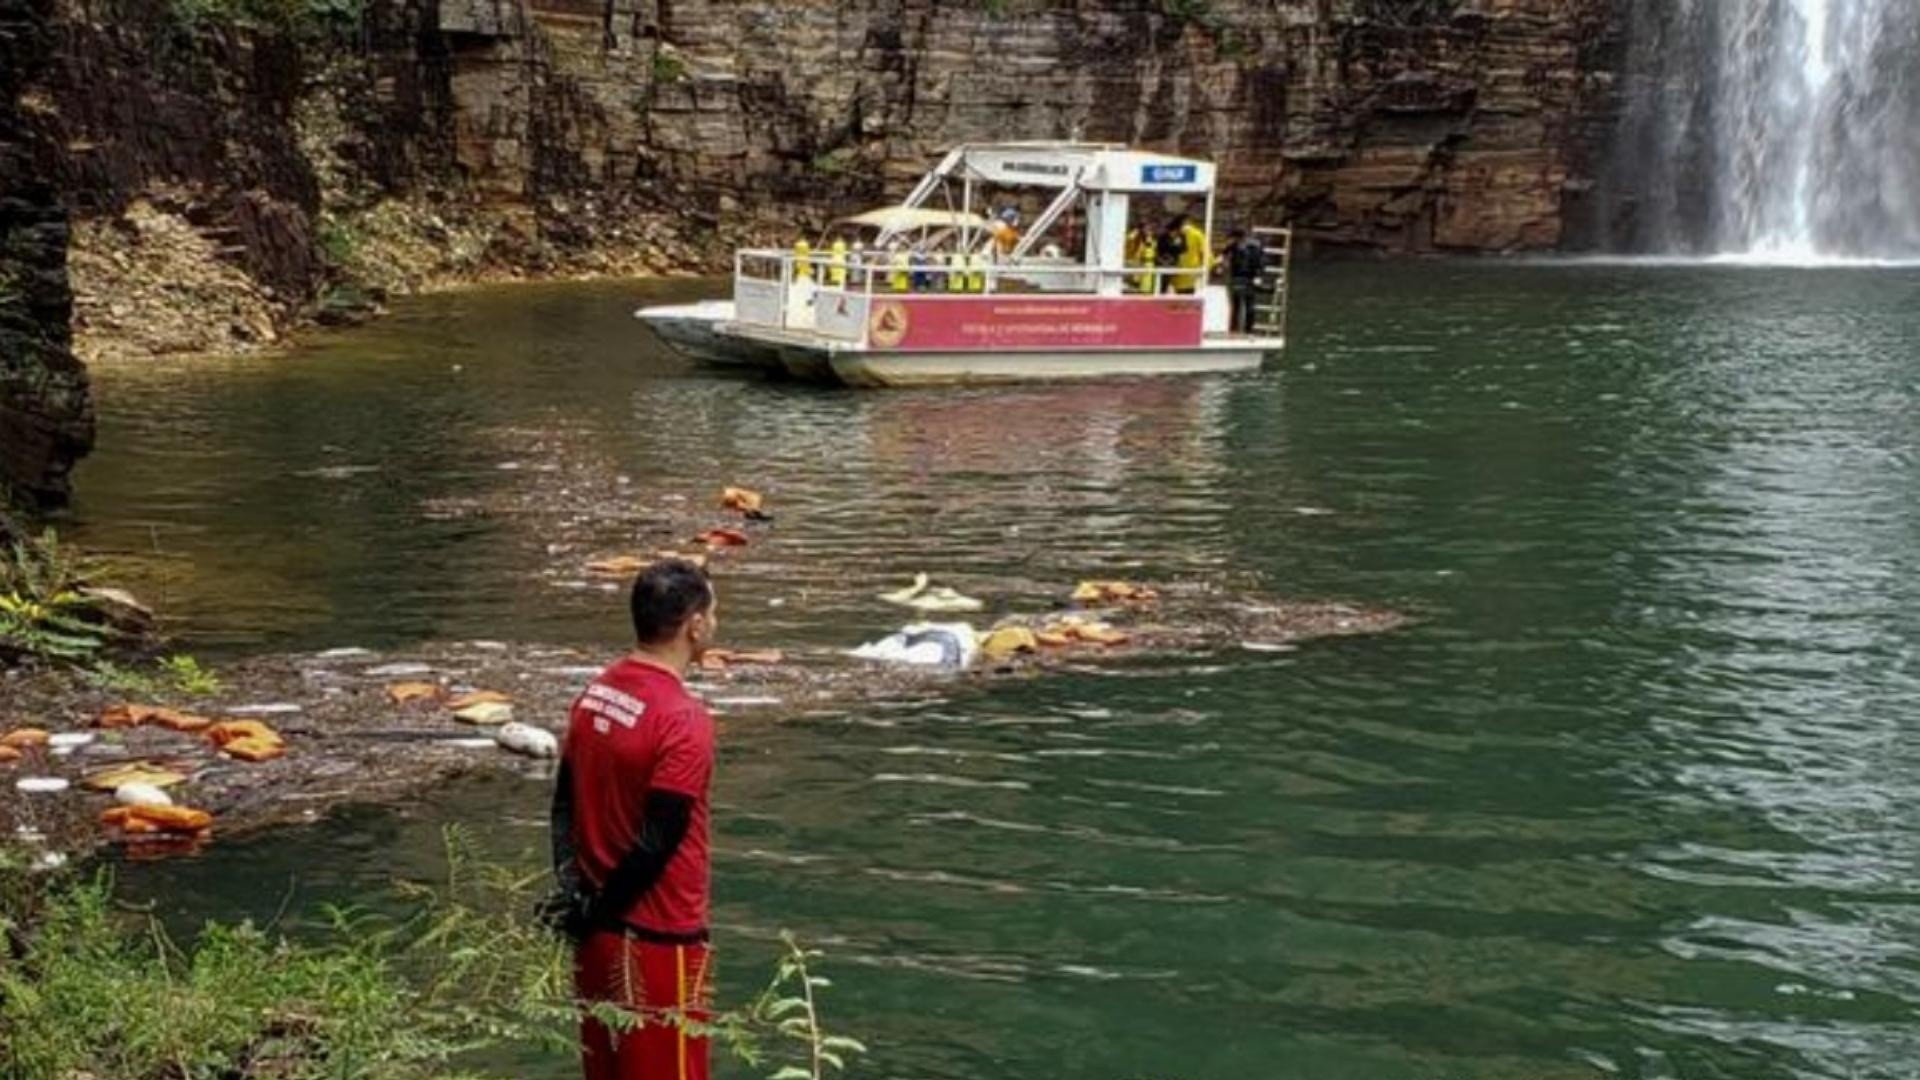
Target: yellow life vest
956 272
977 281
1144 253
802 261
1195 257
837 264
901 280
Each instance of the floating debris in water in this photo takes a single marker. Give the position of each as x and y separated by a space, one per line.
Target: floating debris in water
350 652
337 472
398 671
42 785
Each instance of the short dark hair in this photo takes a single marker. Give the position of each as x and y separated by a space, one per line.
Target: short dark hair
665 596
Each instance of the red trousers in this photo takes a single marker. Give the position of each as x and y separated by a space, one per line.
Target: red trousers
659 984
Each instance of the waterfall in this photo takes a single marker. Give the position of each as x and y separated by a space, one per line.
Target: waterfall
1773 130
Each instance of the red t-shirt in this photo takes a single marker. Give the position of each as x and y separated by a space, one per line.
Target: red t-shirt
633 730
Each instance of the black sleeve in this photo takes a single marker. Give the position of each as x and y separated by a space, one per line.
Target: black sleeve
566 867
666 815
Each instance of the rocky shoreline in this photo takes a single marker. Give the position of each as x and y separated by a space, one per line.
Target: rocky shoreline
350 739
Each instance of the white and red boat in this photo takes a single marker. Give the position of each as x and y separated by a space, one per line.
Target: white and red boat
933 292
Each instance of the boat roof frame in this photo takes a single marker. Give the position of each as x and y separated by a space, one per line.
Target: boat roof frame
1072 169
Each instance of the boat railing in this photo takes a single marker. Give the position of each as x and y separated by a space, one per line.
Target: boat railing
779 289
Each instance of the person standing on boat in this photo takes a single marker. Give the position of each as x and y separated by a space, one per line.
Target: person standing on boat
900 279
837 263
1140 253
1193 258
1246 260
630 836
1167 251
1006 233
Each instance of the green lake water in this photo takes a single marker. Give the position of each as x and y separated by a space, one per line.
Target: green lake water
1638 796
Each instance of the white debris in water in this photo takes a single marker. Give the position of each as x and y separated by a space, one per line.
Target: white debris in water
394 671
351 652
745 702
1268 647
489 646
266 708
485 713
527 739
42 785
141 795
69 741
50 860
469 743
571 672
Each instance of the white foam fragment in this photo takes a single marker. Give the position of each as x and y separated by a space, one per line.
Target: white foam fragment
394 671
42 785
469 744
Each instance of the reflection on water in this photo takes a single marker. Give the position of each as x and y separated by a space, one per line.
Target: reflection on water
1636 798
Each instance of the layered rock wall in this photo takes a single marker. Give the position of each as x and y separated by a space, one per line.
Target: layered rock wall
1392 125
46 416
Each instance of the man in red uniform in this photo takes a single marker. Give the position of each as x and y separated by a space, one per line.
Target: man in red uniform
630 836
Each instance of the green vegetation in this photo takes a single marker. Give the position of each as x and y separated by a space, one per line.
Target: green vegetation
307 18
835 162
339 241
187 675
131 682
44 614
1191 11
668 68
463 969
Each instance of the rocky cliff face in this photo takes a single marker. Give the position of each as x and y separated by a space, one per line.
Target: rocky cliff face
46 417
222 175
1390 125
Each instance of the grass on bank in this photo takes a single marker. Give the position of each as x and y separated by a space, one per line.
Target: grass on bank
89 990
44 612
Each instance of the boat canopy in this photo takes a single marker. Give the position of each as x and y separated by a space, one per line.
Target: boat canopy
1088 166
1099 178
909 218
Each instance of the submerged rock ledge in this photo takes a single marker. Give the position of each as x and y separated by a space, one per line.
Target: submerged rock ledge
349 742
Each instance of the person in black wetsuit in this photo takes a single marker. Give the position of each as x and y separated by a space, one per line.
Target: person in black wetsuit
1246 260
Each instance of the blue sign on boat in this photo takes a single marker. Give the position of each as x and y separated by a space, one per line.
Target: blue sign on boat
1167 174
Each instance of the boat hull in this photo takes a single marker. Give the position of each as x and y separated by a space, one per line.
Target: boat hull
884 369
693 331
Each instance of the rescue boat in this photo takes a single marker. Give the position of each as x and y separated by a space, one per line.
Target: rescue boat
936 292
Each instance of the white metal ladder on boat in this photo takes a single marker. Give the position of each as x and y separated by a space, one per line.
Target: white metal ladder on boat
1276 274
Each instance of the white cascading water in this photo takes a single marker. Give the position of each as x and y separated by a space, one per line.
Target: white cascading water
1783 130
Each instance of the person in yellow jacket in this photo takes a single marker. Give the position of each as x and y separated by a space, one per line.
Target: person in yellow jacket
1194 258
900 277
957 272
837 263
802 260
1141 252
977 277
